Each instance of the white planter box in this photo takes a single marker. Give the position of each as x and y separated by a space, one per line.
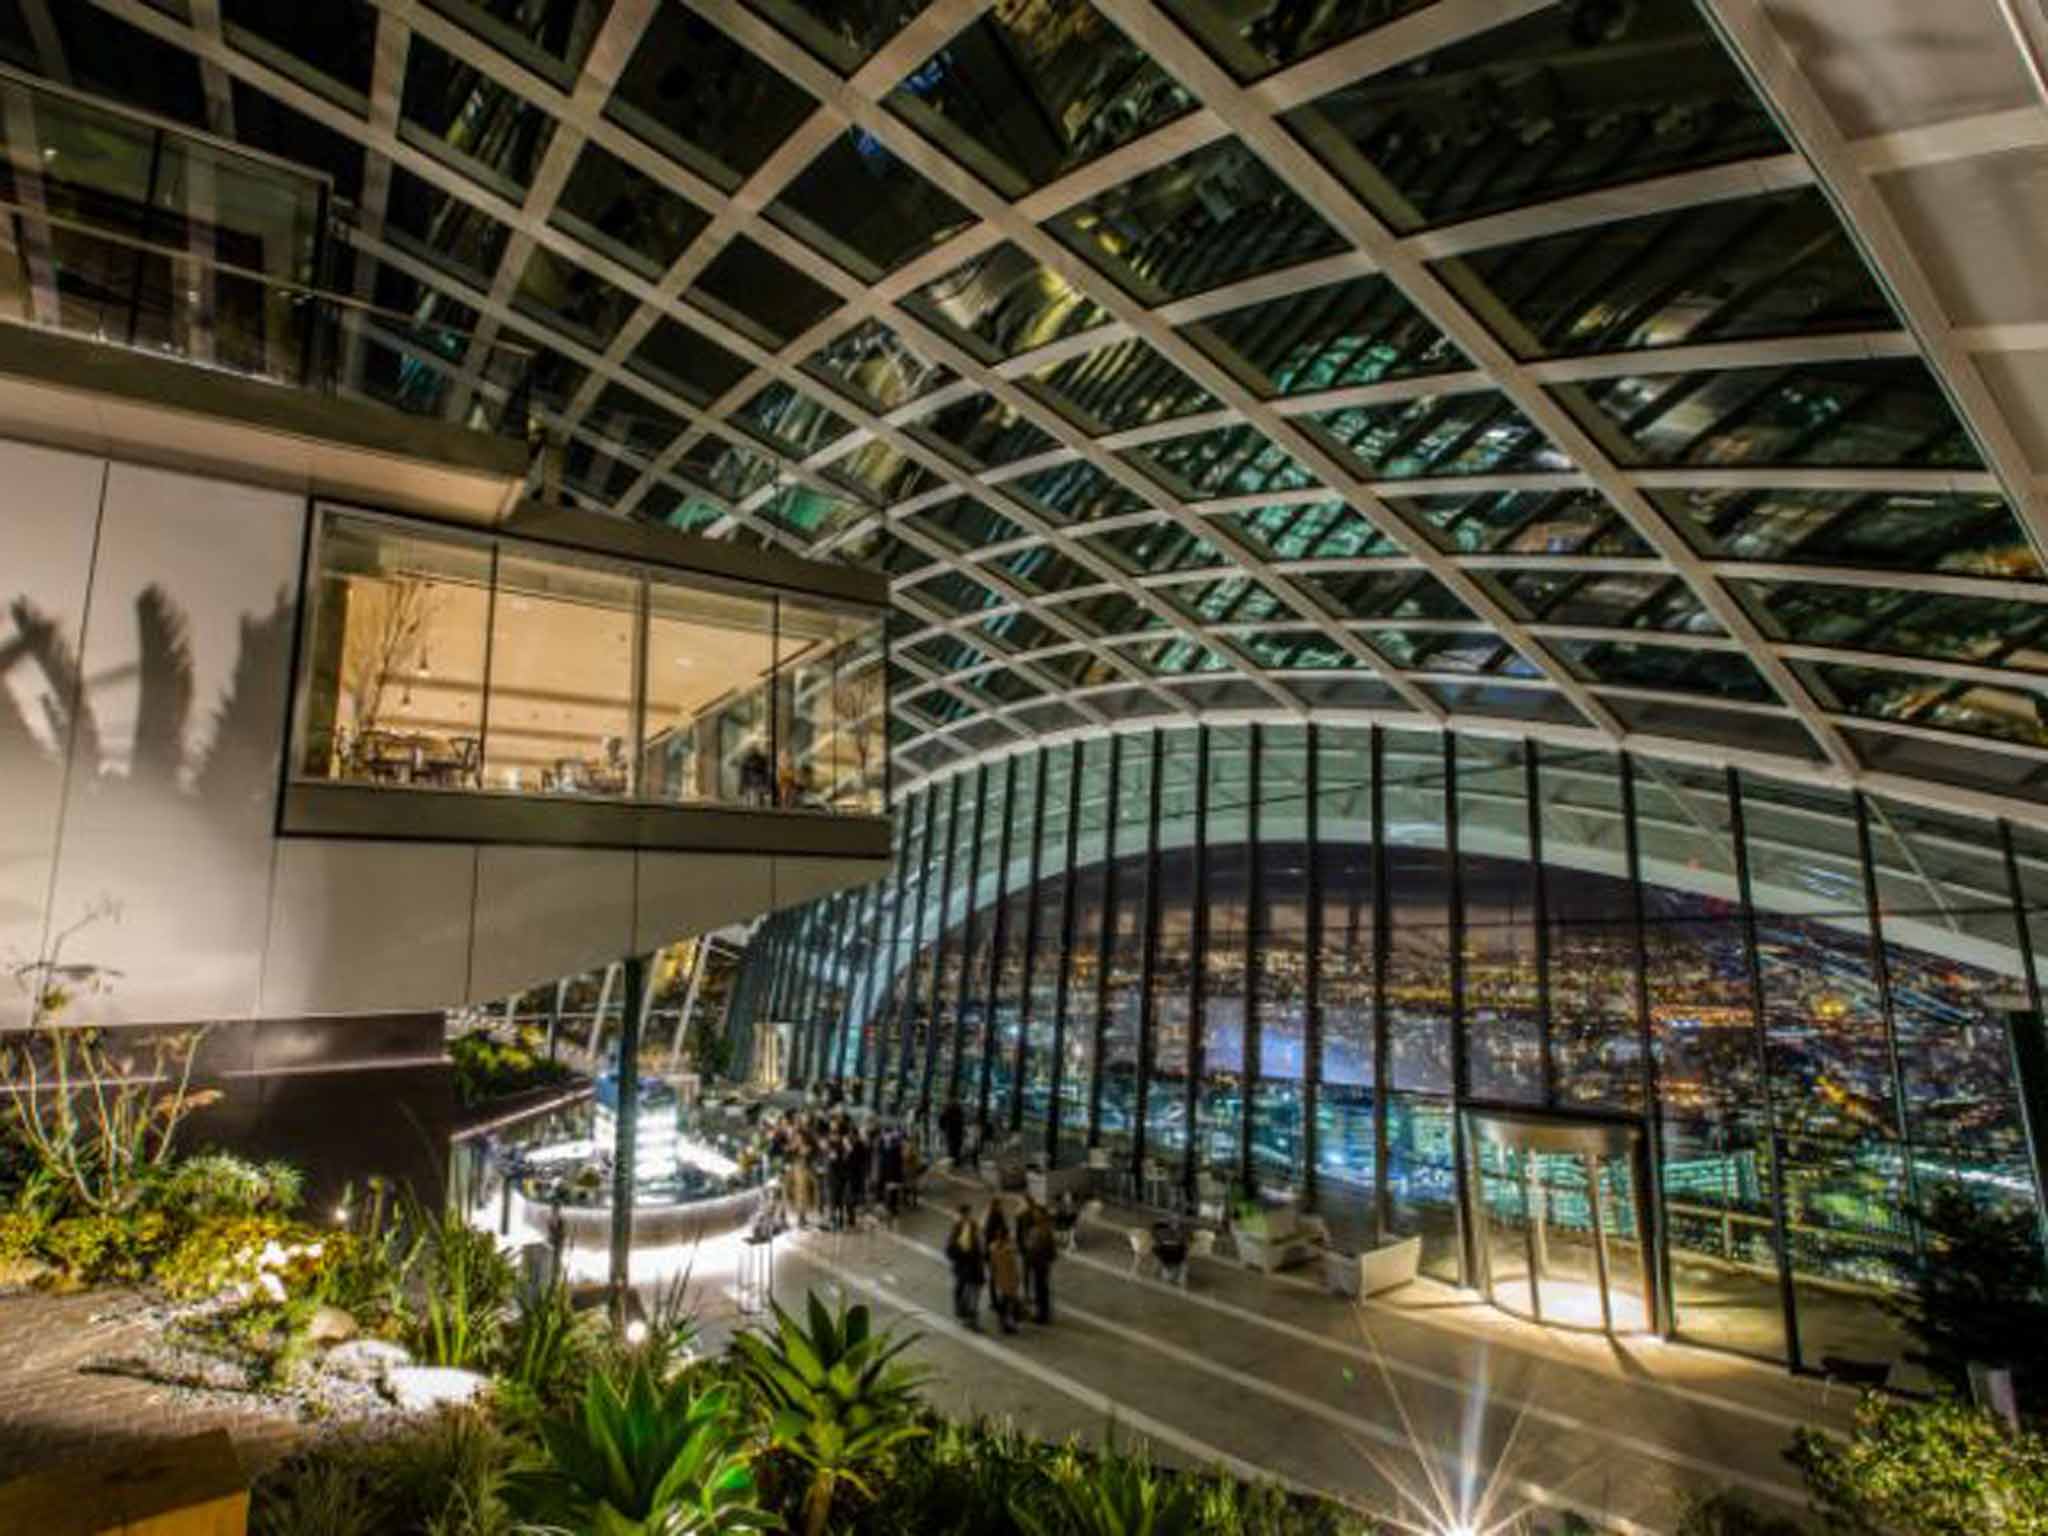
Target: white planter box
1388 1267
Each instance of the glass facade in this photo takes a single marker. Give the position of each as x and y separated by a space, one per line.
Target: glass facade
1338 960
436 660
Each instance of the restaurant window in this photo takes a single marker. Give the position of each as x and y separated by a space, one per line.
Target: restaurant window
709 657
559 710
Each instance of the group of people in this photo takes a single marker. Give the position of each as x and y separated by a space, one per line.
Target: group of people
786 784
1013 1260
832 1168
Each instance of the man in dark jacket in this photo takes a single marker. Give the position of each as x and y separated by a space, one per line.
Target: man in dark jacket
967 1255
953 1126
1040 1244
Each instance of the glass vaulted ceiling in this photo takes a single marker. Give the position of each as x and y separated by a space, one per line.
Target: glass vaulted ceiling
1137 344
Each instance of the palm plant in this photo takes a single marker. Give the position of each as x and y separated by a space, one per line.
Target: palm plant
643 1460
837 1399
1116 1496
469 1288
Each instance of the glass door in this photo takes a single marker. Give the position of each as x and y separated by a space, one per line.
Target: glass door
1560 1220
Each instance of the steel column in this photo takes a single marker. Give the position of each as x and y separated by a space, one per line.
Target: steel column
1029 977
1148 959
1105 936
1065 983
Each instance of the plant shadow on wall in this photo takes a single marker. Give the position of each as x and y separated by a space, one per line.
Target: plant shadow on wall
172 801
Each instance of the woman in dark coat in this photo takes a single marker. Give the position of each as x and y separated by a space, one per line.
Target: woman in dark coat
968 1256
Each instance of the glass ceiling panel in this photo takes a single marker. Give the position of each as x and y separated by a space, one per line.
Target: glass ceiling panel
456 110
1123 385
1756 267
1470 434
1875 413
1388 595
1901 621
700 98
608 205
1254 39
1226 461
1209 218
1323 530
873 364
1611 600
845 33
1722 674
956 594
1227 600
631 418
725 469
1435 651
1156 548
692 366
1002 302
1570 98
866 209
1335 337
965 524
761 295
454 234
337 37
790 420
810 515
983 432
1561 522
1885 530
552 37
1298 650
881 473
2007 714
1028 93
1074 493
563 293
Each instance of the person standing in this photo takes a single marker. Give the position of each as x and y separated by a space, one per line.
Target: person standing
1039 1241
1005 1272
966 1255
858 1155
953 1126
838 1179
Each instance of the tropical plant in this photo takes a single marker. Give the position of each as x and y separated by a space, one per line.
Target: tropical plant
468 1287
836 1397
1941 1468
644 1459
220 1184
374 1256
549 1349
486 1068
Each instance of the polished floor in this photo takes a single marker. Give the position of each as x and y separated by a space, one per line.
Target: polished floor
1427 1404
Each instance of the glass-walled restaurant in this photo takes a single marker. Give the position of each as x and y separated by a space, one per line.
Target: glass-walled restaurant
1627 1042
441 660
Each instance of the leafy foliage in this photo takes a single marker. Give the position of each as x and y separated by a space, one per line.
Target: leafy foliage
836 1397
644 1459
1943 1468
468 1288
440 1476
1723 1514
487 1069
1117 1496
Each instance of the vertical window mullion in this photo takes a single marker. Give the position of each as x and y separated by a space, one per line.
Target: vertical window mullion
938 982
1250 1033
1532 789
1105 937
1064 986
1382 1063
1664 1312
1032 937
969 928
1148 958
1198 987
1461 1045
999 938
1880 968
1312 967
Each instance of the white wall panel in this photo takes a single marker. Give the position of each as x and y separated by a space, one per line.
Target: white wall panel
49 514
542 913
167 826
368 927
685 894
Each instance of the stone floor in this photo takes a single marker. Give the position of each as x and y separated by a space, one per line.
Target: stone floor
1427 1403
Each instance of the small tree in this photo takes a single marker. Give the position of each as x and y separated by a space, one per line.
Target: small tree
98 1116
1926 1469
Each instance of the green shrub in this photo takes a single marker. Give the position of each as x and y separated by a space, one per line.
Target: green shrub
95 1246
439 1476
217 1184
1117 1495
468 1288
372 1261
836 1399
486 1069
644 1459
549 1352
222 1254
1941 1468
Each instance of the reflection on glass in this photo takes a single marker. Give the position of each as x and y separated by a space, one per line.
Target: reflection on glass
1724 674
1524 523
1226 461
698 96
709 656
871 363
865 208
453 107
1255 39
1337 337
1003 302
833 725
1030 92
1121 386
1885 412
1475 434
1199 222
844 32
1974 535
760 295
1576 97
609 205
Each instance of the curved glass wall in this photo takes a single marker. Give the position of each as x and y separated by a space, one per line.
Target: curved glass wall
1318 959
